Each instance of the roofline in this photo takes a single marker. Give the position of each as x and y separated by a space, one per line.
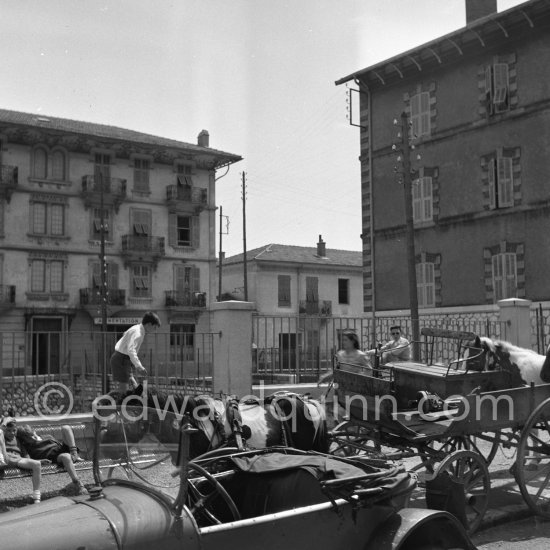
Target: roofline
496 17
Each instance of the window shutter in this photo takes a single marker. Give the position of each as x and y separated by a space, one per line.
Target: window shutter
427 198
58 166
429 284
172 230
195 279
40 164
497 276
416 201
283 282
492 183
96 274
505 182
510 274
420 284
500 92
195 231
112 275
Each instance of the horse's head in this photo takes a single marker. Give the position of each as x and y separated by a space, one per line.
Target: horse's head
476 356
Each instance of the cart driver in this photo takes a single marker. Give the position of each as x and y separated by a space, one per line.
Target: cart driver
396 349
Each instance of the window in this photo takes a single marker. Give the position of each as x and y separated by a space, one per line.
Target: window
343 291
501 183
184 175
141 222
497 84
420 114
422 199
141 175
47 276
283 283
112 275
187 278
504 276
102 170
425 284
48 219
40 163
58 166
184 230
141 281
97 216
182 341
312 289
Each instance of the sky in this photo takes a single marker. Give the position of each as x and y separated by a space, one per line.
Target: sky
259 75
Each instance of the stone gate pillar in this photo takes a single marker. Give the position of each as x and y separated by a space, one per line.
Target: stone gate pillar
516 312
232 364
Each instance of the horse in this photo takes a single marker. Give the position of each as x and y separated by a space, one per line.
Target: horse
523 366
284 418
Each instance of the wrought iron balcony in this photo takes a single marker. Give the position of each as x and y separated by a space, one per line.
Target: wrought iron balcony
185 298
113 189
186 197
322 308
92 297
8 180
7 295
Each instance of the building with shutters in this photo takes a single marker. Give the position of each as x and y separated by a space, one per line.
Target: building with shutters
60 182
478 103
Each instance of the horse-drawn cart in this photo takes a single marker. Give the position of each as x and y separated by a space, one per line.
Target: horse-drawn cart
453 417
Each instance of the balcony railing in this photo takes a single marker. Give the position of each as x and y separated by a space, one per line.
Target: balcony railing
113 189
185 298
7 294
143 243
92 296
321 308
195 197
8 180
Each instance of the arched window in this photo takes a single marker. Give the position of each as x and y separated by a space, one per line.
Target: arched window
40 163
58 165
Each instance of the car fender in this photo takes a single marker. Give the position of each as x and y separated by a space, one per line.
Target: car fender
416 528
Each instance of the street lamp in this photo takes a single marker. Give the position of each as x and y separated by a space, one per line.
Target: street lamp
405 177
104 292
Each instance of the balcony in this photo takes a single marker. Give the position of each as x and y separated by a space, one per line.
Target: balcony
322 308
185 198
8 181
92 297
185 299
113 189
142 248
7 296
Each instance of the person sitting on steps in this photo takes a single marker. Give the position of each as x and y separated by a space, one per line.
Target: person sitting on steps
48 448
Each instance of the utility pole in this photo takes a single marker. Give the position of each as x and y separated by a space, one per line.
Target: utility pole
220 260
244 239
411 260
104 292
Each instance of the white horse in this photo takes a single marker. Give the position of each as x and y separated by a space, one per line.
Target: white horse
524 365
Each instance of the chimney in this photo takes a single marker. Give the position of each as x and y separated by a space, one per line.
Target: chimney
321 248
204 139
476 9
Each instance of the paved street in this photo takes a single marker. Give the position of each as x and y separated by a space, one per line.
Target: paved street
528 534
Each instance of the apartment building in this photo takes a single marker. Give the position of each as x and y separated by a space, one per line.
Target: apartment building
478 104
71 190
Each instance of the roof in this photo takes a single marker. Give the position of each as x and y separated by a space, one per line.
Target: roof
104 131
281 253
486 32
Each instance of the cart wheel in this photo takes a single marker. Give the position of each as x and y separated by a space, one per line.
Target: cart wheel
351 439
466 472
532 467
485 444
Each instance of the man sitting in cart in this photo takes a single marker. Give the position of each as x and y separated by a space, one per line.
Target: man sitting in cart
397 349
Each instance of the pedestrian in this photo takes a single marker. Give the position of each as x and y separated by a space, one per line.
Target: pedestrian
48 448
16 456
125 362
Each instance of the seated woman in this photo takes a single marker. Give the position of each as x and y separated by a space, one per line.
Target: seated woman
17 457
51 449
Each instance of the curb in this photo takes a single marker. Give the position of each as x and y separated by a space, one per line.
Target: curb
494 518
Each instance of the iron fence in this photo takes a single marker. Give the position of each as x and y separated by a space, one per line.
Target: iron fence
34 363
298 348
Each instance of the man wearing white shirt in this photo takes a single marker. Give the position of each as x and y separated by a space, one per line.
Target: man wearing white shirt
125 361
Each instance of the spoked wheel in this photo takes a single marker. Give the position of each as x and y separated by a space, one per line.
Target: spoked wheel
203 494
485 444
461 485
532 467
351 439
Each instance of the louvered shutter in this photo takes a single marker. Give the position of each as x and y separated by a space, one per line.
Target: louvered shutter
510 275
195 231
195 279
427 199
416 201
505 182
492 183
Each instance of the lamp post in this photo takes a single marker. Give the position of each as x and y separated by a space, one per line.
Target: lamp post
406 179
104 292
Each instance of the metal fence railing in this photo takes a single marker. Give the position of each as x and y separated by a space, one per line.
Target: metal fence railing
79 361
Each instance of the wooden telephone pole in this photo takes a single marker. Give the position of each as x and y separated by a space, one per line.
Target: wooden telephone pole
245 274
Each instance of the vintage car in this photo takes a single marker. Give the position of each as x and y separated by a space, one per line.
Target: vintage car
247 499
